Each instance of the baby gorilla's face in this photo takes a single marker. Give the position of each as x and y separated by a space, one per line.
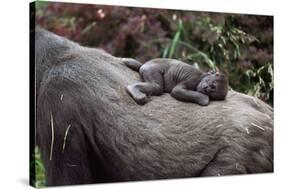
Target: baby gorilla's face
215 85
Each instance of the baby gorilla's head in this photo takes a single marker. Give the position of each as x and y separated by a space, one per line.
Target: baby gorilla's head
213 84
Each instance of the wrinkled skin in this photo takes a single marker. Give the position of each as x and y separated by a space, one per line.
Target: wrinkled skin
183 81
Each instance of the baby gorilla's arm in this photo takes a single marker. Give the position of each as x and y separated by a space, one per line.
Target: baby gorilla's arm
180 93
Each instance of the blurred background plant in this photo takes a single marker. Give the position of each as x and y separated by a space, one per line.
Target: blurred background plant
38 177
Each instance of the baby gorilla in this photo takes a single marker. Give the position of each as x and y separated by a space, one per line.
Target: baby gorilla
182 81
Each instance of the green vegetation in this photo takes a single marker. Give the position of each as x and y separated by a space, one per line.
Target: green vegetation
38 166
222 46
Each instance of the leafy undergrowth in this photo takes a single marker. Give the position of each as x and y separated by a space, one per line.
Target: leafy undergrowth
38 170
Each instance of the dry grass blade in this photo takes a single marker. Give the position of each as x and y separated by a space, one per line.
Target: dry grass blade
220 125
226 107
247 130
255 125
53 136
65 136
61 97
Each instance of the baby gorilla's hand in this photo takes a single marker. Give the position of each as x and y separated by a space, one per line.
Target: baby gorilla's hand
203 100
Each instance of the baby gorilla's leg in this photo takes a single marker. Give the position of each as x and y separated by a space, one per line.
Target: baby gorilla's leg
131 63
154 82
140 91
153 85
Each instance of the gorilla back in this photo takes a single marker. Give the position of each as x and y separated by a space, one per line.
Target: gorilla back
89 130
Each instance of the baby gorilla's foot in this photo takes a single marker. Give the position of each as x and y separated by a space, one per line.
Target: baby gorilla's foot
132 63
138 96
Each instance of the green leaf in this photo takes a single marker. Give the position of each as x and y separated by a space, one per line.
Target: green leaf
174 44
165 52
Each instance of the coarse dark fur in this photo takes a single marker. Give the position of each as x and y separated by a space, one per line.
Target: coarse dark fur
183 81
89 130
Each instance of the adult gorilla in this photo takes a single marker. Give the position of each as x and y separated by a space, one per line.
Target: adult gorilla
89 129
